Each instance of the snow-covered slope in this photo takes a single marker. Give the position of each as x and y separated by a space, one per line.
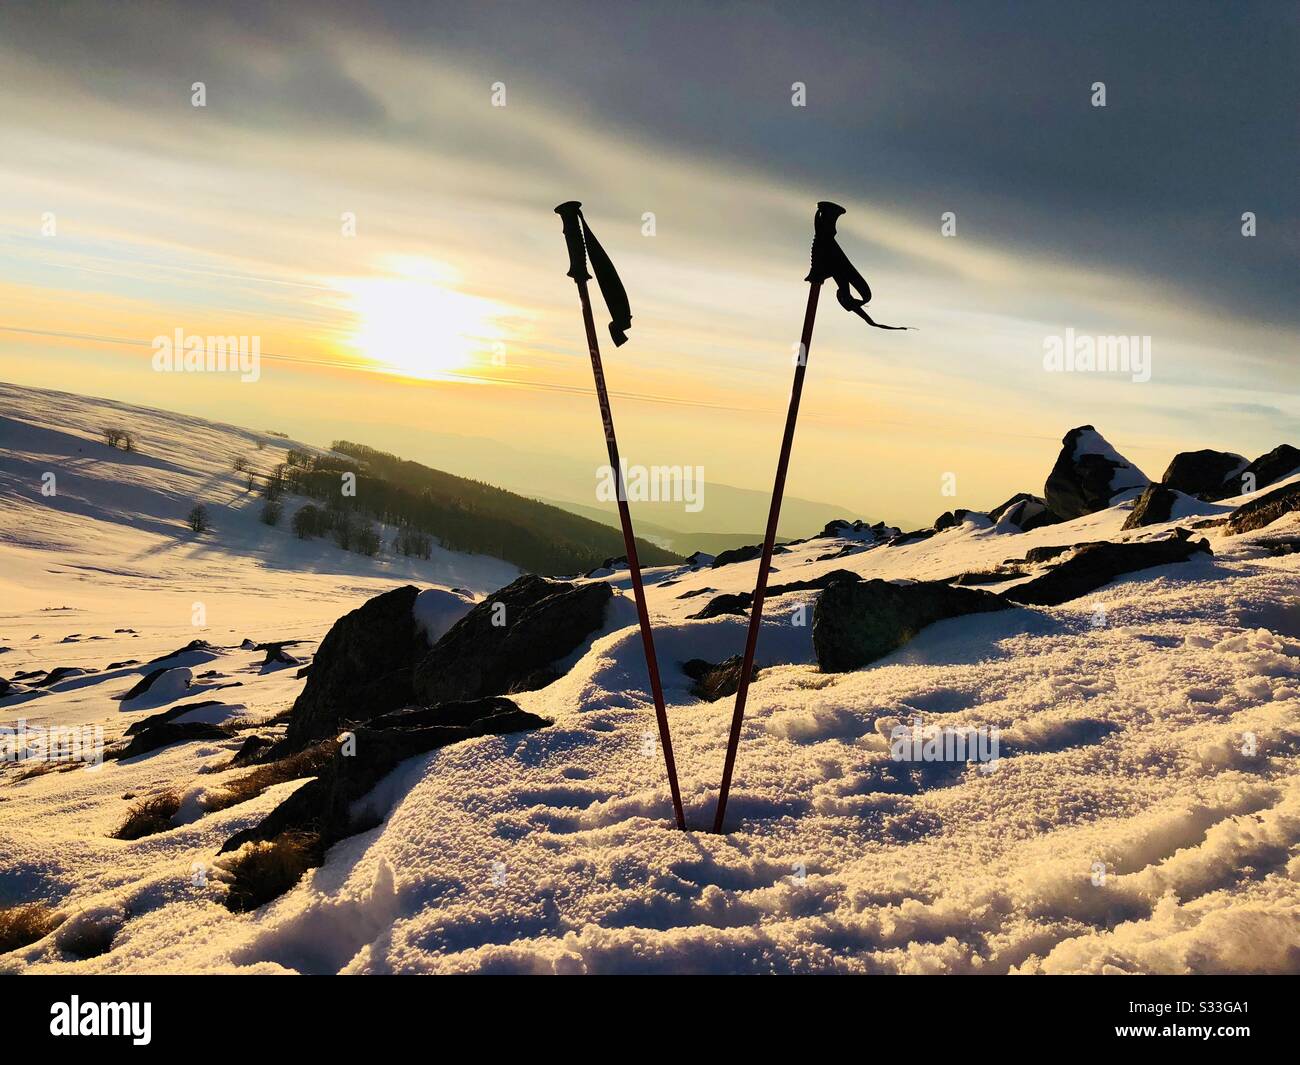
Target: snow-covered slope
1144 814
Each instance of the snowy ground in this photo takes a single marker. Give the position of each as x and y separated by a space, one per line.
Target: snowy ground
1127 826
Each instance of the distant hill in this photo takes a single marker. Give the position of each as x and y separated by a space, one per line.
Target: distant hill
466 515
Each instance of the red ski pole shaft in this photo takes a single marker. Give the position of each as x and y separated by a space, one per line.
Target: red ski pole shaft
634 564
765 562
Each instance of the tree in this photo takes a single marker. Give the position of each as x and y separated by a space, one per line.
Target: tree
197 519
270 513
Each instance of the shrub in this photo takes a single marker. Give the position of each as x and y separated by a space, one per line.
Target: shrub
197 519
261 872
270 513
25 924
120 438
306 763
241 464
310 521
150 816
367 541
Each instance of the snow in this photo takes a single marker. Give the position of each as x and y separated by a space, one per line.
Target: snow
1126 477
438 609
1143 815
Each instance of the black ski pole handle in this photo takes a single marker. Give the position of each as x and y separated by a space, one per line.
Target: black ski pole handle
570 213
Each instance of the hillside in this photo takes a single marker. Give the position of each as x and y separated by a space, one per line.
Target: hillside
1141 813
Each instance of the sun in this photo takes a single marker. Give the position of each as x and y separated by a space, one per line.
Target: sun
411 320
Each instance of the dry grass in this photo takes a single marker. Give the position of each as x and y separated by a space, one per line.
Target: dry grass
306 763
21 925
150 816
260 872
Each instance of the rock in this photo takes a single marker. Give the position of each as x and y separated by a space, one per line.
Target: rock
609 567
1095 565
742 602
1204 474
844 551
1024 512
363 668
1090 475
154 720
59 673
329 804
1265 509
916 536
727 603
1282 461
249 751
714 682
277 657
479 657
950 519
1038 555
698 560
737 554
1155 506
859 530
165 735
192 646
854 624
161 684
992 576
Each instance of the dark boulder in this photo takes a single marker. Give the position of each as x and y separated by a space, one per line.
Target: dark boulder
950 519
363 667
1089 475
1282 461
714 682
208 652
856 623
327 805
727 603
152 739
913 537
153 720
737 554
1024 511
510 636
1203 473
146 682
59 673
1264 510
1094 565
1154 506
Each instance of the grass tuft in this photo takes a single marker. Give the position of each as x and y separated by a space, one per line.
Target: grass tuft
25 924
150 816
262 871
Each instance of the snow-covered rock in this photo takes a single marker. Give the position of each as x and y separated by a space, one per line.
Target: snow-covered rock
1090 475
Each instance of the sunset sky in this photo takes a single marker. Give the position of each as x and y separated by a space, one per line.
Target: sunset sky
446 331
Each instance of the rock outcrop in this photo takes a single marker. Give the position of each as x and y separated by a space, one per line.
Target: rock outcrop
363 668
1265 509
1204 474
1095 565
855 623
507 642
1089 476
